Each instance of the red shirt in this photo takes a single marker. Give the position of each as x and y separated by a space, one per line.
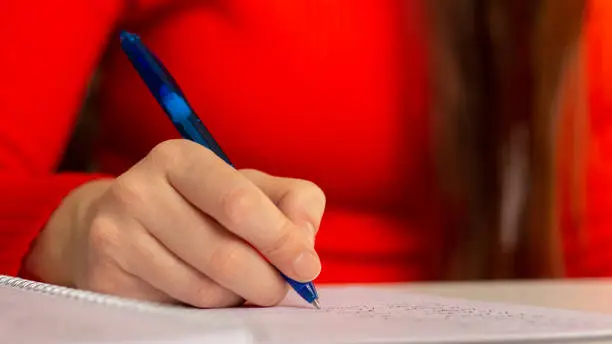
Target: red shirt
333 92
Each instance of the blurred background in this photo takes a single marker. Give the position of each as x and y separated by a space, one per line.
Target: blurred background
454 139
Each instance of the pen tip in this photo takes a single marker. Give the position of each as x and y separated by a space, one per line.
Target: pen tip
316 304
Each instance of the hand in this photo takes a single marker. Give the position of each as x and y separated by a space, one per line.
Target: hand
182 225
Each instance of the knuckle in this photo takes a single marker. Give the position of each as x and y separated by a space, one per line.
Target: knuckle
250 171
168 153
127 193
206 295
168 148
253 173
273 295
312 192
304 193
103 236
236 202
224 261
284 239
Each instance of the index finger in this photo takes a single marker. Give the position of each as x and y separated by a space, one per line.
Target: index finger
236 203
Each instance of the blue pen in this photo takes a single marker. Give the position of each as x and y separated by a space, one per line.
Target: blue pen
167 93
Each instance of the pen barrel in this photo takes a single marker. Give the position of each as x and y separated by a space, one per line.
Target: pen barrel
306 290
202 136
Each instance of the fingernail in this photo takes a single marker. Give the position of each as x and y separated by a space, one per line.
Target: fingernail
307 265
310 232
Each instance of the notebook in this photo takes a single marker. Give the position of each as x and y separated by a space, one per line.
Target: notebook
32 312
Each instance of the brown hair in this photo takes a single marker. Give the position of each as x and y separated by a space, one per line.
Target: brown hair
498 69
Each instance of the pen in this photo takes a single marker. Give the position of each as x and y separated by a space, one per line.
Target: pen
162 86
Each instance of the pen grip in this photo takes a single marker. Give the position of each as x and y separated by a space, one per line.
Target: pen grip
305 290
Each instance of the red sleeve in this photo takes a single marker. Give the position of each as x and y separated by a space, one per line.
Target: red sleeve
49 52
26 202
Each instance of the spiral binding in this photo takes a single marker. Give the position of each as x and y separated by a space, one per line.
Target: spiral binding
84 296
236 328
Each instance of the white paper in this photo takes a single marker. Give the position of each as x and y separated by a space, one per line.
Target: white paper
29 317
368 315
348 315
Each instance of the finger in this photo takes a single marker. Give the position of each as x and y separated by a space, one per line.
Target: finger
99 269
236 203
109 278
301 201
155 264
205 245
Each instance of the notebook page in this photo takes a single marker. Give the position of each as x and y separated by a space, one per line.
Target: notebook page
30 317
349 315
363 315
